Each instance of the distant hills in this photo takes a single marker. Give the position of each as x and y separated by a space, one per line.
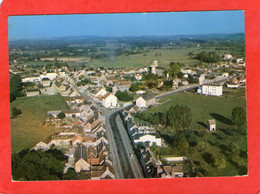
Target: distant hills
65 41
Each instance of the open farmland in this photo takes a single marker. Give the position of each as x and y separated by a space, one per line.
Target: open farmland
164 57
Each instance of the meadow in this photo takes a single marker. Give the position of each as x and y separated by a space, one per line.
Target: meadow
26 129
204 108
164 56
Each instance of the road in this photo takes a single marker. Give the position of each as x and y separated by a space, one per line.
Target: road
124 165
127 167
216 80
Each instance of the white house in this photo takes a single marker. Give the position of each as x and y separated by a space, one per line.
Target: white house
31 79
211 89
102 92
231 85
145 101
186 71
212 125
109 100
33 92
225 74
46 82
148 138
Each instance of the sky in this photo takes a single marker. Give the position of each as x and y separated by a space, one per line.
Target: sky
126 24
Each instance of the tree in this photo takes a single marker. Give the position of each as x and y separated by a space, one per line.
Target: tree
192 80
135 87
234 148
61 115
174 69
208 57
124 96
16 112
235 151
238 116
15 87
202 146
70 175
219 161
179 117
38 165
180 142
151 80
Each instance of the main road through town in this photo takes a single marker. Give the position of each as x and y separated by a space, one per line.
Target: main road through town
125 162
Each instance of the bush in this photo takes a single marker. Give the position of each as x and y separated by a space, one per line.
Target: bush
61 115
16 112
238 116
124 96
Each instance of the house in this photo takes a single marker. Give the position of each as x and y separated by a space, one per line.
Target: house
70 113
149 138
186 71
225 74
145 101
73 93
53 113
44 144
140 92
232 85
133 109
228 57
76 99
77 140
123 85
102 92
46 82
235 81
212 125
178 171
86 112
109 101
80 158
211 90
33 92
51 75
60 86
36 78
138 77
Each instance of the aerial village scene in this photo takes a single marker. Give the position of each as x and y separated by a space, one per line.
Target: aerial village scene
128 96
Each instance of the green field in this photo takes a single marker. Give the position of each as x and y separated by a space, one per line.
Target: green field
202 107
26 129
220 109
139 60
164 57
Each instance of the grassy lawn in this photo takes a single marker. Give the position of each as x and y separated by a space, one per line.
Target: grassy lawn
220 109
25 129
203 108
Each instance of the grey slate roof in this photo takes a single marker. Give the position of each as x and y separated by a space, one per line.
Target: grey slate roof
148 97
80 152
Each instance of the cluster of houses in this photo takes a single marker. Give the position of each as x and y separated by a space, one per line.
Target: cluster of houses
154 168
100 78
83 139
107 99
146 136
139 133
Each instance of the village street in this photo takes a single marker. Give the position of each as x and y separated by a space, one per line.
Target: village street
125 162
